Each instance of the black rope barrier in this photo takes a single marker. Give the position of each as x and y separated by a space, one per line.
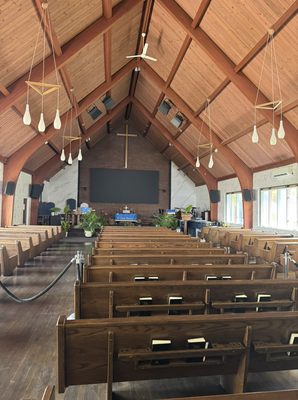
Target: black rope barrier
78 258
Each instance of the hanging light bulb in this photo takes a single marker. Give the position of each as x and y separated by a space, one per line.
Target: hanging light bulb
281 131
80 157
62 157
41 124
211 162
69 159
57 120
273 139
198 162
255 136
27 116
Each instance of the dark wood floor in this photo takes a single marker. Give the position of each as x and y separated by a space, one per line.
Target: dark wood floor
28 343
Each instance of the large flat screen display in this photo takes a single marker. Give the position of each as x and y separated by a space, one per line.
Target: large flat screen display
124 186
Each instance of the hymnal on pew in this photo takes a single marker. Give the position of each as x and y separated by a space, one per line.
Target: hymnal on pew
139 278
153 278
212 278
226 277
175 300
261 297
145 301
293 340
197 343
239 298
160 345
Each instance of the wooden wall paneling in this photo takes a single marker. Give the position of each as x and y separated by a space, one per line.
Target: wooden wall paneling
262 153
39 158
286 46
87 68
190 140
147 93
231 112
166 120
165 39
197 77
71 17
124 37
18 32
13 133
156 138
220 167
237 37
190 6
293 116
120 91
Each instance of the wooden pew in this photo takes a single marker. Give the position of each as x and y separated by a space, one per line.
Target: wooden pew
47 234
8 261
117 350
254 249
162 250
44 243
178 272
49 393
242 239
34 240
121 299
273 250
17 247
276 395
166 259
192 243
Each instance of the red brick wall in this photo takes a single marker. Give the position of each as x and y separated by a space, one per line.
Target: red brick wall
109 153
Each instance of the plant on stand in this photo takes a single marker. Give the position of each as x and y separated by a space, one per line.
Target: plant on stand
90 222
55 210
165 220
186 214
65 226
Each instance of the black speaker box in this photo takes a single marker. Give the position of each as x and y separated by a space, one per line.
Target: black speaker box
35 191
10 188
214 196
247 194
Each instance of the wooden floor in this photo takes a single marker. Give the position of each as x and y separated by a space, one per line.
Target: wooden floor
28 342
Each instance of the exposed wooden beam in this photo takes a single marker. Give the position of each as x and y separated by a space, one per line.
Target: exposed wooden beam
107 41
185 46
206 175
200 13
277 27
226 65
69 50
52 147
212 96
275 164
242 170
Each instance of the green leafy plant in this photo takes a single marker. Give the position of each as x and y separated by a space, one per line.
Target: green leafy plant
65 225
55 210
90 222
165 220
188 209
67 210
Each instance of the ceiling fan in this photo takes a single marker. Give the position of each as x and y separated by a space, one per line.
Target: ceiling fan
143 55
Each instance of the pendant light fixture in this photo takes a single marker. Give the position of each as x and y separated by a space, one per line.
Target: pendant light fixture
41 87
208 145
72 136
276 104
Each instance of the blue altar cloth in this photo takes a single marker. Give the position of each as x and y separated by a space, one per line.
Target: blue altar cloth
126 217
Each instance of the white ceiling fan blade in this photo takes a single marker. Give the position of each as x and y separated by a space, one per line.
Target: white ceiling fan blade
136 56
150 58
145 48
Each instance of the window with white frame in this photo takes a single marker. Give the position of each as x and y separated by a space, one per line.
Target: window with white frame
279 207
234 209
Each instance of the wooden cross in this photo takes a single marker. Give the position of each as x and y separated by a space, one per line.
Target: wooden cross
126 135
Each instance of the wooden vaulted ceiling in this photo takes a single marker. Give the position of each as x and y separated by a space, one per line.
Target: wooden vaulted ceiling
205 49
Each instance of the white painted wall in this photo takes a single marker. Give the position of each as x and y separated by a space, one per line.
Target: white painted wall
202 198
1 188
62 186
21 193
183 190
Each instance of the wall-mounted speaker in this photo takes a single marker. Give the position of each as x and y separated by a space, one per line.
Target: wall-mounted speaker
247 194
35 191
108 102
10 188
94 112
214 196
164 107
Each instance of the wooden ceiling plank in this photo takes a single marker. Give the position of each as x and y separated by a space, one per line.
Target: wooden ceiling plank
69 50
242 170
276 27
241 81
200 13
210 180
179 59
212 96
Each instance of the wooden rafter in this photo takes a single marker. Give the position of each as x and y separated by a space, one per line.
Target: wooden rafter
200 13
226 65
69 50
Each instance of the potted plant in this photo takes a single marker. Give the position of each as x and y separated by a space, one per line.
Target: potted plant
165 220
65 226
55 210
90 222
186 215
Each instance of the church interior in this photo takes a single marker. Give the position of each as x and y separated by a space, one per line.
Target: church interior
149 199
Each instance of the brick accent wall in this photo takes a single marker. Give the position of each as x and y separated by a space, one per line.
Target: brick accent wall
109 153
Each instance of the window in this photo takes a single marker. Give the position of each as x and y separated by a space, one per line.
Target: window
234 210
279 207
